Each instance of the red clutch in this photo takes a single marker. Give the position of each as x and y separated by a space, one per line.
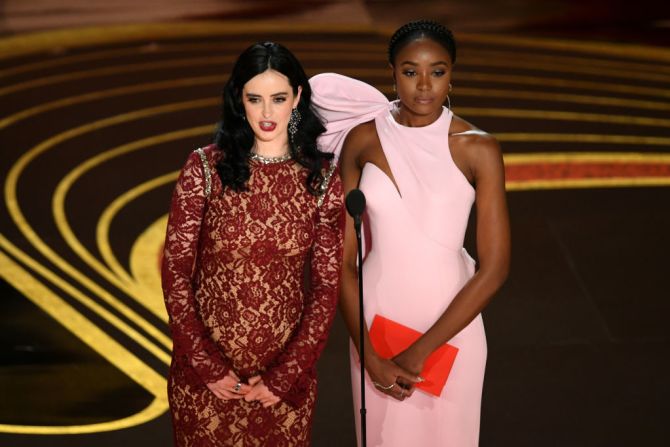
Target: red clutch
390 339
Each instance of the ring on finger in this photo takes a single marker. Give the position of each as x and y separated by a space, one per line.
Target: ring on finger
382 387
237 387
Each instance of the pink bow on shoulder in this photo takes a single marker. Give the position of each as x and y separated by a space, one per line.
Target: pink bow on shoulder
343 103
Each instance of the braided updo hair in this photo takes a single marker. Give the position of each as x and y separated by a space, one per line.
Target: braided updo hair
418 29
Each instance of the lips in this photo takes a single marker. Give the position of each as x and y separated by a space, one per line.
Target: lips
421 100
267 126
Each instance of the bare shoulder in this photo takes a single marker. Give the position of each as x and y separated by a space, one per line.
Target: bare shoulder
473 142
360 140
363 134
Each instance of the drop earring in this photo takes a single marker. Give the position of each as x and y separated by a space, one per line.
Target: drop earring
293 122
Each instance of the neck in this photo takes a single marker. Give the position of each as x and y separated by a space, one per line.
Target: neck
408 118
270 149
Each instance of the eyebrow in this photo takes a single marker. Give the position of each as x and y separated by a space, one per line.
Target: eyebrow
432 65
271 96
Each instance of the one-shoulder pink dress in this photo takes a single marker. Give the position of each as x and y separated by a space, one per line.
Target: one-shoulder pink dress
416 262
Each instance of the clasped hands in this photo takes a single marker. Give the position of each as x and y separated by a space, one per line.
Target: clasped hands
231 387
394 377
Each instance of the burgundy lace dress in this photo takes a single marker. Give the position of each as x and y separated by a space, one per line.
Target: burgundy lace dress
233 276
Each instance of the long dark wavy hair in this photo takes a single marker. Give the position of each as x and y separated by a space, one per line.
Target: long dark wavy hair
236 138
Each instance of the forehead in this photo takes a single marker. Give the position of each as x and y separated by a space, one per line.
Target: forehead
269 82
422 49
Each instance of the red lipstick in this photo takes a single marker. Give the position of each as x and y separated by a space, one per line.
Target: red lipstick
267 126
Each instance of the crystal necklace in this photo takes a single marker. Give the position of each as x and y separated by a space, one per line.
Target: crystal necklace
269 160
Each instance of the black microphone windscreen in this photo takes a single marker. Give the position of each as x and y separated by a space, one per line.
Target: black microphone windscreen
355 202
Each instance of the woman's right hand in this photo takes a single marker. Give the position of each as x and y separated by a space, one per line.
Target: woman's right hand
388 377
230 387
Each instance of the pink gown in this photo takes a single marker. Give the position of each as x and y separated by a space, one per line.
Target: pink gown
416 262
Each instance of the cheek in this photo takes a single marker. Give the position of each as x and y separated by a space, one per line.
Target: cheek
250 110
284 111
442 84
404 85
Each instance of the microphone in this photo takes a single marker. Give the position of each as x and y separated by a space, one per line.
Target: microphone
355 202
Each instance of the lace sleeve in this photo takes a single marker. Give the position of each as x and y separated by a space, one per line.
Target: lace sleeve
300 356
191 342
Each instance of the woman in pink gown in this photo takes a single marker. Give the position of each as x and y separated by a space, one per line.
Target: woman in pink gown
421 169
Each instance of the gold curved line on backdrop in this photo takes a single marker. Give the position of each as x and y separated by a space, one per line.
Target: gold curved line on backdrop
144 257
110 93
613 64
557 97
527 64
86 331
552 115
386 89
587 157
152 302
161 48
105 222
473 56
96 35
473 62
632 51
379 50
156 408
611 182
117 277
31 43
582 138
28 232
465 75
126 69
115 70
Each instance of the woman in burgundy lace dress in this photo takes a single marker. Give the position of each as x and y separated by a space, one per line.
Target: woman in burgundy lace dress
252 215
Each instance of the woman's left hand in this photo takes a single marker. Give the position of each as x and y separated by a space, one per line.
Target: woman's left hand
230 387
260 392
411 362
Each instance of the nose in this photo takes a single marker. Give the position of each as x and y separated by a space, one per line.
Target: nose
423 82
267 109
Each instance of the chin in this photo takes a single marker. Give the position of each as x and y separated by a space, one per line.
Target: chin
267 137
426 109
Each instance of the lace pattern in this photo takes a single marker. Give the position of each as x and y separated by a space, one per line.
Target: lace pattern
233 275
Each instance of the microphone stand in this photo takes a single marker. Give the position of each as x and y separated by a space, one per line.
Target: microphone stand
361 322
355 202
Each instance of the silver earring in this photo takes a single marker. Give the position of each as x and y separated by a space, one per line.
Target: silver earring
293 122
448 103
